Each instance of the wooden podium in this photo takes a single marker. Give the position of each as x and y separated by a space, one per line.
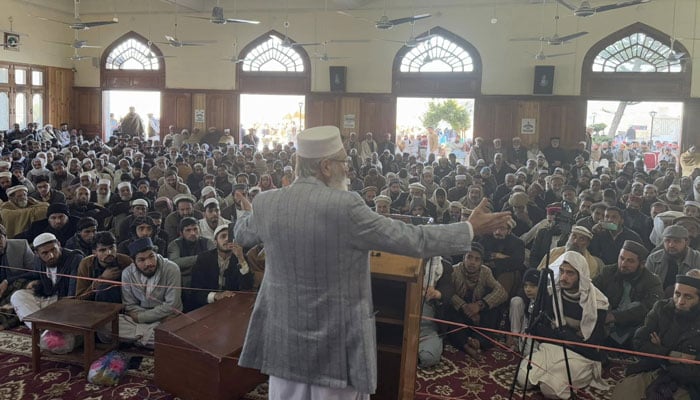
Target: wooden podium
196 355
396 292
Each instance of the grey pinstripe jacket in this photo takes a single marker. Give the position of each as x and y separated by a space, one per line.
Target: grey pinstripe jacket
313 320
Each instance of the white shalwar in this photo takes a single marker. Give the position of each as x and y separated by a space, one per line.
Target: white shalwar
283 389
549 372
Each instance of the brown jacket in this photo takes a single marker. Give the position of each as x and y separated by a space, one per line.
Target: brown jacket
85 288
487 288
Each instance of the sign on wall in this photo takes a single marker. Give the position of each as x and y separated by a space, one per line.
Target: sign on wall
199 116
527 126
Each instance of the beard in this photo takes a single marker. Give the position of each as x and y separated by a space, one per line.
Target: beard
574 247
21 203
338 182
687 315
103 199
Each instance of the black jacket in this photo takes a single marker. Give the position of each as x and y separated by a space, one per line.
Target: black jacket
65 285
205 275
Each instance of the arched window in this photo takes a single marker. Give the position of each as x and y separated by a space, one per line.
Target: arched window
134 55
272 65
636 63
273 55
132 62
637 52
444 65
437 54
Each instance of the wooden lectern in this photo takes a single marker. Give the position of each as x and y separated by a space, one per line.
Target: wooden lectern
396 292
196 355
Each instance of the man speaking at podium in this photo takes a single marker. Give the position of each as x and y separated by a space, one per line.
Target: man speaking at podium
312 329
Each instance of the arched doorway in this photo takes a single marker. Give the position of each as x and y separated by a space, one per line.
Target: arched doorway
273 80
436 81
132 73
637 83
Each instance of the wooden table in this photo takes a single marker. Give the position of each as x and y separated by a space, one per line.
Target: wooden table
78 317
196 355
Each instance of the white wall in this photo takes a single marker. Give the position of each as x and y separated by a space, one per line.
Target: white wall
508 69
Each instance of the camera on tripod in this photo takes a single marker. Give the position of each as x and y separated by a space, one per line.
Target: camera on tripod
563 217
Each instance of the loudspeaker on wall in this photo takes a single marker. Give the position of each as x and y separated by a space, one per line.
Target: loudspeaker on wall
544 79
337 75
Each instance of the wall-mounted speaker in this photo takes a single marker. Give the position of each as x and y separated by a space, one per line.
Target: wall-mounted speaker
338 75
544 79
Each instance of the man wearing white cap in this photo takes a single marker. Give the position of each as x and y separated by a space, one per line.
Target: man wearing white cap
317 237
20 211
138 208
54 276
212 219
578 241
103 194
582 308
5 183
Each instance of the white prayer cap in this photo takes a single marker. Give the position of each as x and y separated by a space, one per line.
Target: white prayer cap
183 196
209 201
139 202
5 174
43 239
104 182
456 204
86 160
288 168
85 174
417 186
123 184
219 228
4 164
13 189
319 142
460 177
382 199
692 203
208 190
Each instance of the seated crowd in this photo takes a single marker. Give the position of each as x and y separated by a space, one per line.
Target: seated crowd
135 222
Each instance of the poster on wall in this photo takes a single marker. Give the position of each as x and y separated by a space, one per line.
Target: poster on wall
527 126
199 116
349 121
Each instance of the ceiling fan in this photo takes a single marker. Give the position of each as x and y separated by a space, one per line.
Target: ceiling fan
217 17
173 41
412 40
325 57
234 58
554 40
541 56
77 57
385 23
586 10
76 44
79 25
151 55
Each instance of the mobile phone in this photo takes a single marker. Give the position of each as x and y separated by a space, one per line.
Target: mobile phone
230 231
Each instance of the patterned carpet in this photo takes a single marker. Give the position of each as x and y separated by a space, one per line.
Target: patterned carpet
455 377
460 377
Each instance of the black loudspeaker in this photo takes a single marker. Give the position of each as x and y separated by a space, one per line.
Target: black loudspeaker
337 75
544 79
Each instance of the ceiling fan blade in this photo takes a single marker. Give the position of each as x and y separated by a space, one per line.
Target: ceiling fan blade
63 43
356 17
615 6
242 21
50 19
197 17
90 47
567 5
306 44
530 39
572 36
558 54
404 20
100 23
349 41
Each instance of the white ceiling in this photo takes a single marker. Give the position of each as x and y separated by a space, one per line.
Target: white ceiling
102 7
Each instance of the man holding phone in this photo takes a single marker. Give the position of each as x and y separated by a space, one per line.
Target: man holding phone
222 271
610 234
